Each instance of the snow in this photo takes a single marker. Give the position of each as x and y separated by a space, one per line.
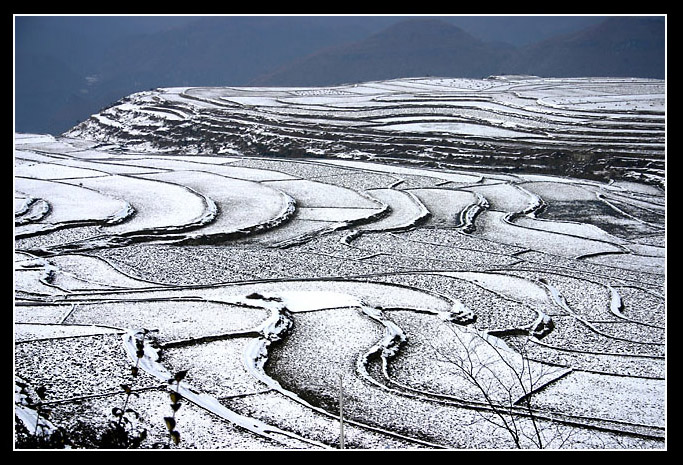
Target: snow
244 205
457 128
402 170
335 214
157 204
343 266
69 204
405 210
318 194
54 171
511 286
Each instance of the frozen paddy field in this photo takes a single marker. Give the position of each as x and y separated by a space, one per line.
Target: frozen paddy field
271 279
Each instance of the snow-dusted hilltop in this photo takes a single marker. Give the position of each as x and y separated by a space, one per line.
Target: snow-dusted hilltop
602 128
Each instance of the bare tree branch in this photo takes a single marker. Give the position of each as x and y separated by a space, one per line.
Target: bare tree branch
505 377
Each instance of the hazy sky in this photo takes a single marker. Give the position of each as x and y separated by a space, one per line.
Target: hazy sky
516 29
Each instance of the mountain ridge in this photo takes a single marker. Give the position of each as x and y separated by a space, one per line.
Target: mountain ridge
411 48
620 46
405 49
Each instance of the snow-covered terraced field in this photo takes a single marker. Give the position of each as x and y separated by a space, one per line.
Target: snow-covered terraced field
458 306
588 127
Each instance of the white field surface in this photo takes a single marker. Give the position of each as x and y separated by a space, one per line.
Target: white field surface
275 280
405 210
243 205
444 205
68 205
157 204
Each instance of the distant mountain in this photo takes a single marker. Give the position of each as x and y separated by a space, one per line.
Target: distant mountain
218 51
416 47
619 46
521 30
